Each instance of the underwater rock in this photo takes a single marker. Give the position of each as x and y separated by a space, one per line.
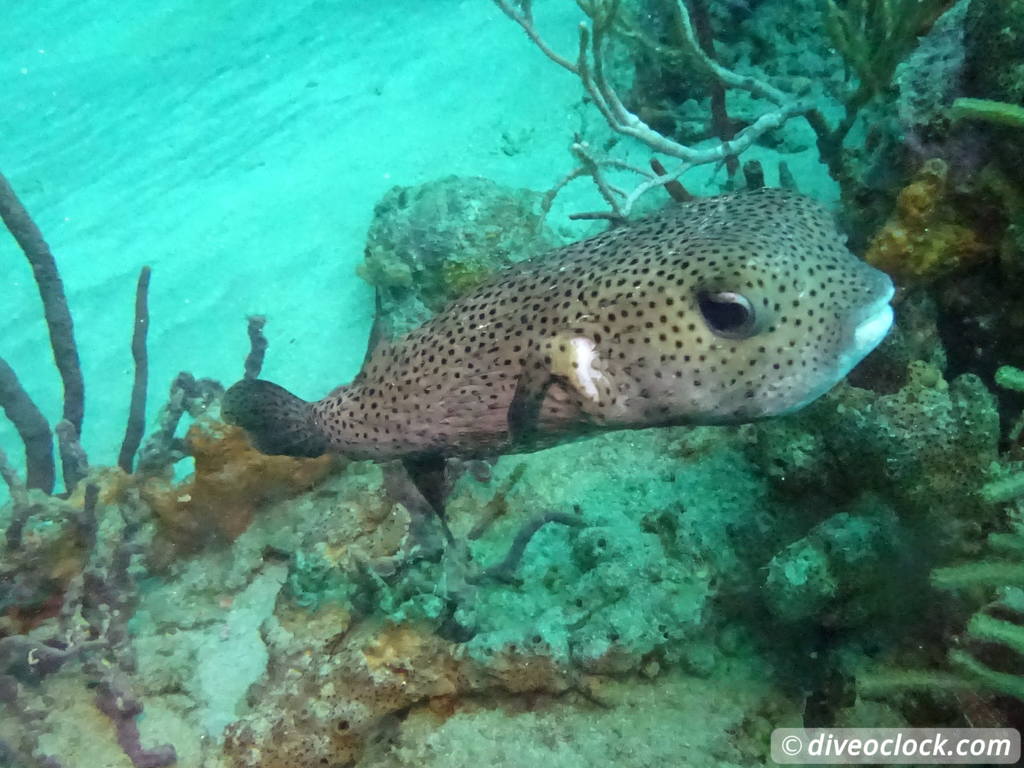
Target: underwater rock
720 723
934 440
931 77
995 44
231 655
431 243
831 574
330 697
359 637
995 70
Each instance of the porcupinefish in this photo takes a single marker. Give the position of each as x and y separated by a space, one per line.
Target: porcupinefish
721 310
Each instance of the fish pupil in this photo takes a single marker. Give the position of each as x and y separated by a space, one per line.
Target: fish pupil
727 314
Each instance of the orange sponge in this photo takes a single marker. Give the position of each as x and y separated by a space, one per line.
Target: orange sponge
232 481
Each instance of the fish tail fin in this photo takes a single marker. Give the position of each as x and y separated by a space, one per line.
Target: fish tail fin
278 422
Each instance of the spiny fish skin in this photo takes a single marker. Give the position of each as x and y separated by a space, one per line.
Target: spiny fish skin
722 310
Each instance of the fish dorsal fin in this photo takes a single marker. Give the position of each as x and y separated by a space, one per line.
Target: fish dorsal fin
381 331
380 336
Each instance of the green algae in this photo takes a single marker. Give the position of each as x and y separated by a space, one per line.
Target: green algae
986 110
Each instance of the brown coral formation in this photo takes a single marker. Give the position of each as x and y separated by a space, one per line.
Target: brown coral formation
926 237
336 697
232 481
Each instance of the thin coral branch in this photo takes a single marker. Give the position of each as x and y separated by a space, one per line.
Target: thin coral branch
19 493
653 182
160 449
549 197
591 69
675 189
257 347
137 409
187 395
55 305
506 568
19 502
723 74
524 18
72 455
705 37
33 428
595 167
122 707
613 219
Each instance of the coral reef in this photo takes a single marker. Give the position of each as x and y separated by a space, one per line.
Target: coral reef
837 573
693 44
623 599
994 35
89 626
922 448
71 566
989 653
983 617
929 79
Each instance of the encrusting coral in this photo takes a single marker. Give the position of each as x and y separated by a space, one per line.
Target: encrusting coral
537 603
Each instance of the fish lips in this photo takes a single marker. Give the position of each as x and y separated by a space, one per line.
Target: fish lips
872 325
867 328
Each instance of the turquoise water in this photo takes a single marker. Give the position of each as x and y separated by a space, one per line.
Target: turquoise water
664 595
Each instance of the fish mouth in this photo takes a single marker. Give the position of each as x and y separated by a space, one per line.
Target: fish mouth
867 329
872 329
874 322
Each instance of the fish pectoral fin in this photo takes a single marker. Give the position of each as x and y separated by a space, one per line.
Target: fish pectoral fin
570 358
524 410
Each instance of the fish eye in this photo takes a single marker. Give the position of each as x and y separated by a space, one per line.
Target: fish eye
728 314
